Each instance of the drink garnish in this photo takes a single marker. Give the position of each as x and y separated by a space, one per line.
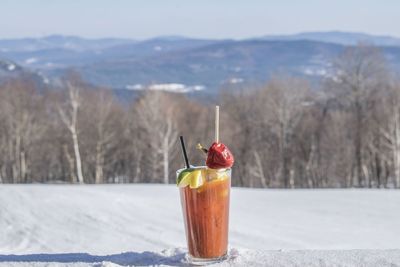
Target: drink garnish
191 177
200 147
219 156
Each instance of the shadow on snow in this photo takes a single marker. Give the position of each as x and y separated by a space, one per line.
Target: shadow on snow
127 258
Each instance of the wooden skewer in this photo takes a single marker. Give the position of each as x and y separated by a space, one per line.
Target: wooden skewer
217 124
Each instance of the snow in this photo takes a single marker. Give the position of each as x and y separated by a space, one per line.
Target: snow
235 80
175 87
196 87
171 87
111 225
31 60
243 257
168 87
315 71
134 87
11 67
46 80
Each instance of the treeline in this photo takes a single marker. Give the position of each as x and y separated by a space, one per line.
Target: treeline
343 131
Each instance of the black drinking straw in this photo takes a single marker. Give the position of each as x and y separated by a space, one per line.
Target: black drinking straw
184 152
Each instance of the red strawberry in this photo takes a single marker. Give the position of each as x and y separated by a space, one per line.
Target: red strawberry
219 156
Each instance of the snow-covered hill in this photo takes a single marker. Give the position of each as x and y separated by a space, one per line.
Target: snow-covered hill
275 227
210 63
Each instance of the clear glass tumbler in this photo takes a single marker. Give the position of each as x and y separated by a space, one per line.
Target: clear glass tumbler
206 216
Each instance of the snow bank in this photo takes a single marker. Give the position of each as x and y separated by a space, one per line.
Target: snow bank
242 257
71 224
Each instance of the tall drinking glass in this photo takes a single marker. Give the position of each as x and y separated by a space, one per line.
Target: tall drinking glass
206 216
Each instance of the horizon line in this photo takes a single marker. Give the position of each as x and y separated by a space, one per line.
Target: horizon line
199 38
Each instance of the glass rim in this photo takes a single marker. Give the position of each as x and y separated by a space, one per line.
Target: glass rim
201 168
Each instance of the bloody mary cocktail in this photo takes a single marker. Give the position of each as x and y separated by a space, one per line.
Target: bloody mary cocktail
205 201
206 215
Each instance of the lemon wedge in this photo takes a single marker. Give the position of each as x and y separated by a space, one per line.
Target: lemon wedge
196 179
191 177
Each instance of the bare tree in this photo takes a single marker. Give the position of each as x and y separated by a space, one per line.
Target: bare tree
105 135
359 71
69 114
101 120
238 119
258 169
390 129
283 134
22 127
285 102
155 112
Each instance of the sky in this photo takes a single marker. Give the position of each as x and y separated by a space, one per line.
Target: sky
238 19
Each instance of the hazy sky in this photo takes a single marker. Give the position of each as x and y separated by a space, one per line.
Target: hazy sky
200 18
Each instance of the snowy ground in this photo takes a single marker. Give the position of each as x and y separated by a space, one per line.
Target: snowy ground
109 225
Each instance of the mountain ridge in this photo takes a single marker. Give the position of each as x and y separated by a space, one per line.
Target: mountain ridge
339 37
182 62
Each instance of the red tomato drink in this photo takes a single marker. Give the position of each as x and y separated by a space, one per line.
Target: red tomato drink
206 216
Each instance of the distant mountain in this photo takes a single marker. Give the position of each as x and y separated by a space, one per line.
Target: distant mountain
216 65
180 64
11 70
59 52
213 65
338 37
59 42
